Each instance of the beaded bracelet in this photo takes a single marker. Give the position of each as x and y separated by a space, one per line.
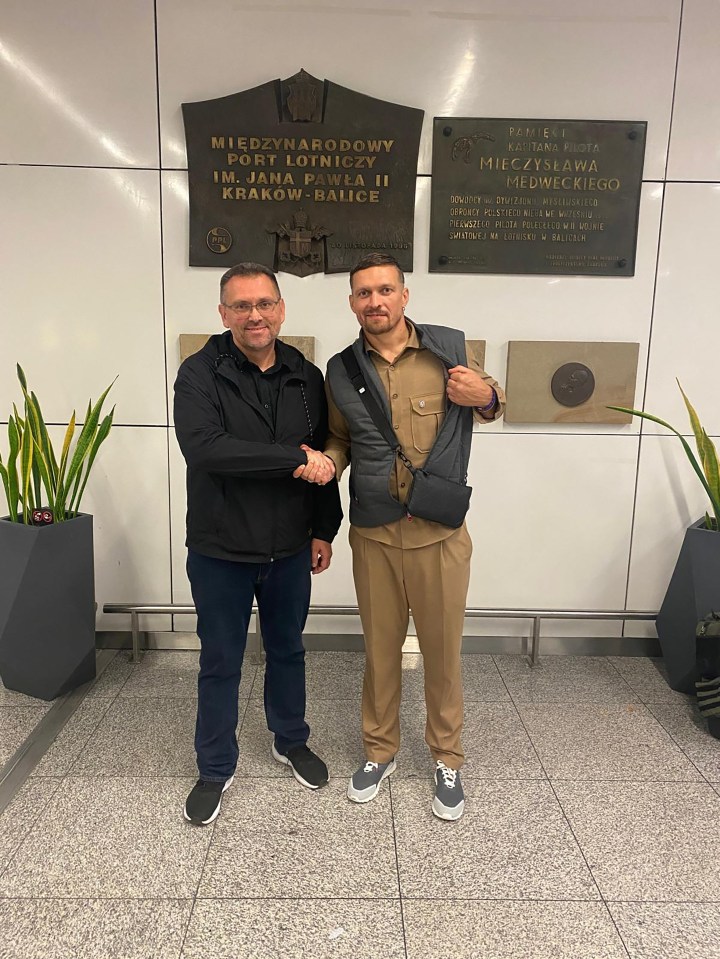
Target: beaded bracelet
491 404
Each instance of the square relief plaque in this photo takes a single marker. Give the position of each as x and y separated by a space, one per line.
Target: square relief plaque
570 382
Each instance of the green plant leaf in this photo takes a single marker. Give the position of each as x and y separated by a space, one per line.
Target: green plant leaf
37 481
46 444
33 431
14 485
6 484
84 443
33 464
710 465
18 419
26 458
101 435
686 446
41 464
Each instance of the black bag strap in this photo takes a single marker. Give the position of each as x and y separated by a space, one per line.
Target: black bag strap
352 368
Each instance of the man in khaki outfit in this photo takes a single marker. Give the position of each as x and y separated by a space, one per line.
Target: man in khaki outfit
421 376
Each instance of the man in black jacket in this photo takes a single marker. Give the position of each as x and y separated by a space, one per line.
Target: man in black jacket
249 410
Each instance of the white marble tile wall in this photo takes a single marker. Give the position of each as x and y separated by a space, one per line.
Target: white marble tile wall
94 279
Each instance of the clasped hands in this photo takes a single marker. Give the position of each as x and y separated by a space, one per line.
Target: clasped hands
319 468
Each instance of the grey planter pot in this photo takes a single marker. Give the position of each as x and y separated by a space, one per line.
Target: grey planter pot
693 592
47 606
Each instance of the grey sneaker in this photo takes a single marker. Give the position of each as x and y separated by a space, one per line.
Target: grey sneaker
365 783
449 801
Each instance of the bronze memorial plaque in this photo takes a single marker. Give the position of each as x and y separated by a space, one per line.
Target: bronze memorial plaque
535 196
558 381
301 175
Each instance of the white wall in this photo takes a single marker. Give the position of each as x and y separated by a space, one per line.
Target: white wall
94 278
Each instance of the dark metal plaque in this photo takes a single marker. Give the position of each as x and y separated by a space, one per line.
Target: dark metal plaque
301 175
535 196
572 384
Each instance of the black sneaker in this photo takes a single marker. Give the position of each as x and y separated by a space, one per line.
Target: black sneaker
307 768
203 803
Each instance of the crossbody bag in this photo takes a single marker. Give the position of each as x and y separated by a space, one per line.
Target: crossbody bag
431 497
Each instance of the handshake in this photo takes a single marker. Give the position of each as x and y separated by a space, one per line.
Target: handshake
319 468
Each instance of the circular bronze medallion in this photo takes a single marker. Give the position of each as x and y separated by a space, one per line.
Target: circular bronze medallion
219 240
572 384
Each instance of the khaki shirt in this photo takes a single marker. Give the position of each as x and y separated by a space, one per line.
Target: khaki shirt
415 384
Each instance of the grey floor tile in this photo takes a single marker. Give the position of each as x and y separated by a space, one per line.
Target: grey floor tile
110 839
142 737
495 743
564 679
335 735
604 741
291 929
19 817
651 842
648 677
329 675
481 679
16 724
8 697
512 843
689 730
92 928
173 673
510 930
335 679
347 659
277 839
72 738
339 675
113 677
672 930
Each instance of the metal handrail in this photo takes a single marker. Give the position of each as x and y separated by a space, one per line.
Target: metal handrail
475 612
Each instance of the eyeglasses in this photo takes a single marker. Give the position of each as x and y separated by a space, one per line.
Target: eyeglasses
264 307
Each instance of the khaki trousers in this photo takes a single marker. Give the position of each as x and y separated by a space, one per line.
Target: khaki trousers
432 581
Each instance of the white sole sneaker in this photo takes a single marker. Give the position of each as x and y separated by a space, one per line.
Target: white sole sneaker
206 822
449 813
370 792
286 762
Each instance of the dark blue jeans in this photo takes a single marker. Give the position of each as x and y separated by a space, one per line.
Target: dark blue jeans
223 593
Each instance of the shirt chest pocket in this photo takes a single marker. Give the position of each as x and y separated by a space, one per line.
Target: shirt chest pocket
428 412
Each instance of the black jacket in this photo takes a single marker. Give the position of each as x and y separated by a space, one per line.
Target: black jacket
243 503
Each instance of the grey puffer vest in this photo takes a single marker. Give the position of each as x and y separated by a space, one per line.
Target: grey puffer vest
372 460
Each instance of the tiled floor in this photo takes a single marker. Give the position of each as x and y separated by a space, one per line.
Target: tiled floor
592 825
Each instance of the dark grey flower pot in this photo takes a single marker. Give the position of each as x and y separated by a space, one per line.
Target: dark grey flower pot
47 606
693 592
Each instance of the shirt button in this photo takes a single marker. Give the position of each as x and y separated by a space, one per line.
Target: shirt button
402 485
394 396
391 367
267 406
396 426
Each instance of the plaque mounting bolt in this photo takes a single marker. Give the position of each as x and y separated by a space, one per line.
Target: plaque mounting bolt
622 262
632 135
447 131
443 260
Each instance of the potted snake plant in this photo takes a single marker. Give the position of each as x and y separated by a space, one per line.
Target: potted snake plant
694 590
47 583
